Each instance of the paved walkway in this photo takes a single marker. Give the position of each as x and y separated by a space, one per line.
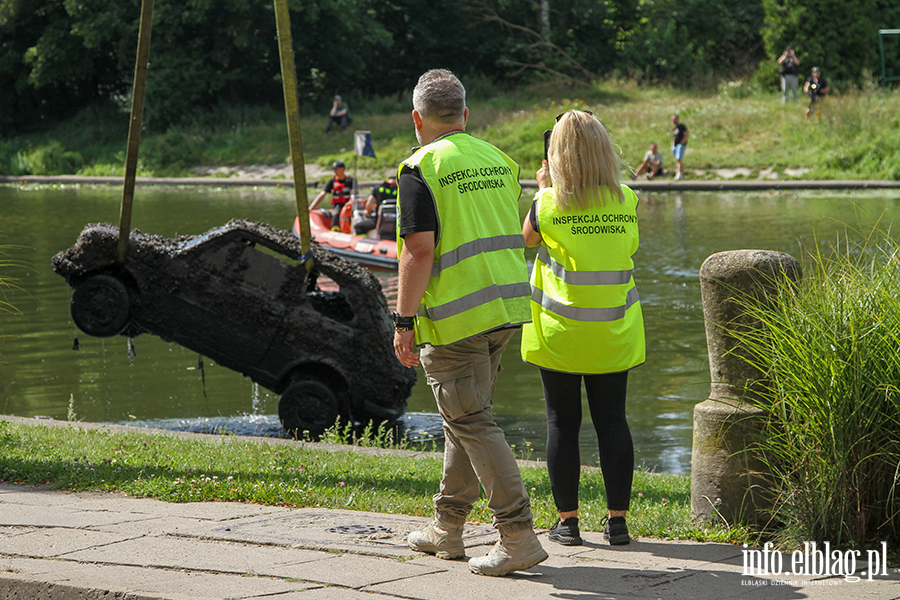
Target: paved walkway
58 545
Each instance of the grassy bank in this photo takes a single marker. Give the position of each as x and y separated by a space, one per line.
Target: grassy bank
230 468
856 137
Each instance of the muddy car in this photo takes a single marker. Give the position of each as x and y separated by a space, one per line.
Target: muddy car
237 294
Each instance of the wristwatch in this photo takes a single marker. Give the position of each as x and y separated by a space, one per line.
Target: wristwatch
403 323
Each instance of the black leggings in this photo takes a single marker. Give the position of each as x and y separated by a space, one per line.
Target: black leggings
606 399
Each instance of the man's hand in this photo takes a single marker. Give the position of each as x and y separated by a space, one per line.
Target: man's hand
404 348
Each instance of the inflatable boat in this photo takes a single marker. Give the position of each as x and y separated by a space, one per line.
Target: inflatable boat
371 252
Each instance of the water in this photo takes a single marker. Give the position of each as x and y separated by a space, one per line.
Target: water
163 385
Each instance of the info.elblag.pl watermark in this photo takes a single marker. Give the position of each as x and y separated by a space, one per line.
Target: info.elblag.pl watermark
813 561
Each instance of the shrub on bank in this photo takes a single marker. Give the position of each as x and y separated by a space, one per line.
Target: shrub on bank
830 352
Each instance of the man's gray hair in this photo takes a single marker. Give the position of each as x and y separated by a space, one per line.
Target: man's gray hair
440 97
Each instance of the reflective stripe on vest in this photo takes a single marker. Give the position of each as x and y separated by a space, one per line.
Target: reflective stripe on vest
475 299
475 247
584 277
576 313
479 279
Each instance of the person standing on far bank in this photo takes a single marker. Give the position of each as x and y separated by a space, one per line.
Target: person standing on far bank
679 145
463 290
587 322
790 72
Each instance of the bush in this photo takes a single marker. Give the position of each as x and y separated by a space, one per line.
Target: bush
46 159
831 352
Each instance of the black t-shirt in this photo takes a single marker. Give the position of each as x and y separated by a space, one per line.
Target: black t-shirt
789 67
383 192
821 85
418 211
680 130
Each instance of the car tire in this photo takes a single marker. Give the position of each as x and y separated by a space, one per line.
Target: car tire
308 405
101 306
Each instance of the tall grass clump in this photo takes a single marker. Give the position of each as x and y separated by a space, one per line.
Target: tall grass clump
830 352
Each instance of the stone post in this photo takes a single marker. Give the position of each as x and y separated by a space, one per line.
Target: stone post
725 480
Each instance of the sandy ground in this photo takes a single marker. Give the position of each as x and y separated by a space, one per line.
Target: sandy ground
282 171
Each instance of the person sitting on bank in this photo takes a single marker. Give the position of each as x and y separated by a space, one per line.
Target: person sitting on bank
653 163
386 193
340 114
815 87
340 187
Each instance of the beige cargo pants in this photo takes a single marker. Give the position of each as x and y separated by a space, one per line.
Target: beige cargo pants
462 376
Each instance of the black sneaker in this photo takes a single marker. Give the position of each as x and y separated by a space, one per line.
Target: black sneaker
616 531
566 533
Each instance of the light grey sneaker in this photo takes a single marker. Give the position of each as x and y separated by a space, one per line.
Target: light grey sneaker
434 539
514 552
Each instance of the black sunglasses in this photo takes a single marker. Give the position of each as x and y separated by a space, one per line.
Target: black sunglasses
560 115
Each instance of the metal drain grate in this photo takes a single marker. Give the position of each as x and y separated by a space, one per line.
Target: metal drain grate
359 529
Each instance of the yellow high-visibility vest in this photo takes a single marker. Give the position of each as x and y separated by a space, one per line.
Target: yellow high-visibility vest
479 280
586 313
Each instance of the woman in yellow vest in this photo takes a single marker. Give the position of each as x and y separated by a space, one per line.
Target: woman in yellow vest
586 315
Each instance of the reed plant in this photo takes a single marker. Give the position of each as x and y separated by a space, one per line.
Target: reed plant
7 283
829 350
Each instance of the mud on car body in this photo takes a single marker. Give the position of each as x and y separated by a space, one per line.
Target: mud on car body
237 294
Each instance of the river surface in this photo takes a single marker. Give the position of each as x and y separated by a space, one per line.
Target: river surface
161 385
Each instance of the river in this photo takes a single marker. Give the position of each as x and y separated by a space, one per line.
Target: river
161 385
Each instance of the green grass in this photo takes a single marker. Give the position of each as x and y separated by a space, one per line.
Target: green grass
856 137
230 468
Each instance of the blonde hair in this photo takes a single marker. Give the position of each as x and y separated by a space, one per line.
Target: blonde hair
582 162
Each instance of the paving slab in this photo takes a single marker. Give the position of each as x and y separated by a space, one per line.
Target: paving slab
649 554
80 580
538 583
355 571
334 593
198 555
58 516
342 530
117 503
152 525
51 542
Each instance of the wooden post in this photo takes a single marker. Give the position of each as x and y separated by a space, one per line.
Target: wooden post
134 128
292 112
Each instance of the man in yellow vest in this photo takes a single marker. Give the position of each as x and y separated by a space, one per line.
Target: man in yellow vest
463 290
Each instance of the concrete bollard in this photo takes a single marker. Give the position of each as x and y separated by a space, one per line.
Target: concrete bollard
726 481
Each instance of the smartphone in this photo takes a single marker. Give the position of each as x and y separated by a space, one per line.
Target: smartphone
547 142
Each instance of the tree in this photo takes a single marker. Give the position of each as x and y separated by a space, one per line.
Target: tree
844 48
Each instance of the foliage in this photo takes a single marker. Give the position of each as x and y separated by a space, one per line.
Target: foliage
59 56
692 41
227 468
844 44
829 351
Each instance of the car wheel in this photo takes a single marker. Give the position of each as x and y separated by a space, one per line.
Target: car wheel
308 405
101 306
